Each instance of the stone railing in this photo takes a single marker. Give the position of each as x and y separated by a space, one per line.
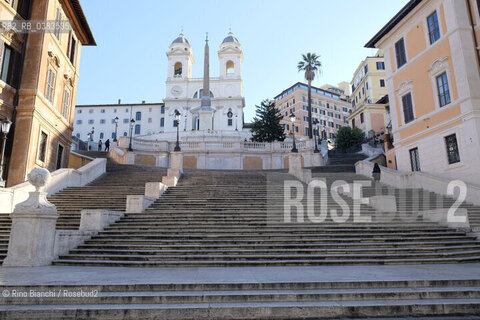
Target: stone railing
416 179
213 146
60 179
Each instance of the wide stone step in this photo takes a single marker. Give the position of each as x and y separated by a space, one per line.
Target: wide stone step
240 296
160 227
298 237
257 251
268 262
138 245
274 256
271 232
265 241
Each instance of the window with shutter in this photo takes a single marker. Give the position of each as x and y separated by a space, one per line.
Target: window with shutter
50 85
66 104
408 115
400 53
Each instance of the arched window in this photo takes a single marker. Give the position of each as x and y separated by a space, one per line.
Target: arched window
137 129
125 133
178 69
230 67
101 135
138 115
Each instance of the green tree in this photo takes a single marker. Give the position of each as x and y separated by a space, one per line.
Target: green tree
266 125
348 137
311 64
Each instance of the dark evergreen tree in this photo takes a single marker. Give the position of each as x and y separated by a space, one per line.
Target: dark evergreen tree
348 137
266 124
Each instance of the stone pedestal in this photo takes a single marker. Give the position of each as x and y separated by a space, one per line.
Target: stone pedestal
384 203
138 203
294 163
317 160
170 181
130 158
32 238
176 161
155 189
206 119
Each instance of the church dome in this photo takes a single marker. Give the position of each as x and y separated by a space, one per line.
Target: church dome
230 38
181 39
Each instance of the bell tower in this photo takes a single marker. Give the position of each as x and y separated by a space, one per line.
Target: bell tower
180 59
230 57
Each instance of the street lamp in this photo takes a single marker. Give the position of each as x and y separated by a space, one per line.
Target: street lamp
90 138
177 118
317 126
6 124
131 128
116 127
292 118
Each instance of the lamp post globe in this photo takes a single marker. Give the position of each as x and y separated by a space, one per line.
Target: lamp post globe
6 124
177 118
294 147
132 121
116 128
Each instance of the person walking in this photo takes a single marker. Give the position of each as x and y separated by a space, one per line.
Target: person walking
107 145
99 145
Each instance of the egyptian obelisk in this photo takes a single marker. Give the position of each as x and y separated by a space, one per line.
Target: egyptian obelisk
206 111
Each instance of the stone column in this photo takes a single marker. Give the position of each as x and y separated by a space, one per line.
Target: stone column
32 237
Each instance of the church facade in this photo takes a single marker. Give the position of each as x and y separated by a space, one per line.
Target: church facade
222 114
224 110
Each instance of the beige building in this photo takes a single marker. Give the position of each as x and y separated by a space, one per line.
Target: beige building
433 79
38 84
330 107
368 87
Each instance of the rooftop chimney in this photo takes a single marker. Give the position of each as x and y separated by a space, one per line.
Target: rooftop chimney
119 101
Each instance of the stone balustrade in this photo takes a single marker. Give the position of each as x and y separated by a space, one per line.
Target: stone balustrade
60 179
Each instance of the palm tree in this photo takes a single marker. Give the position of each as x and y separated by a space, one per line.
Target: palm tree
311 64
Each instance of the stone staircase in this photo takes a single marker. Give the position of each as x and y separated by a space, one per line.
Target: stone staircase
340 162
230 218
108 192
235 219
242 301
5 225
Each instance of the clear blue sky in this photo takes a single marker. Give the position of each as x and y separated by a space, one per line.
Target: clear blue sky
133 37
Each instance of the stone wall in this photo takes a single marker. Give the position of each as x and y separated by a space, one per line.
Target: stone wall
252 163
77 160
